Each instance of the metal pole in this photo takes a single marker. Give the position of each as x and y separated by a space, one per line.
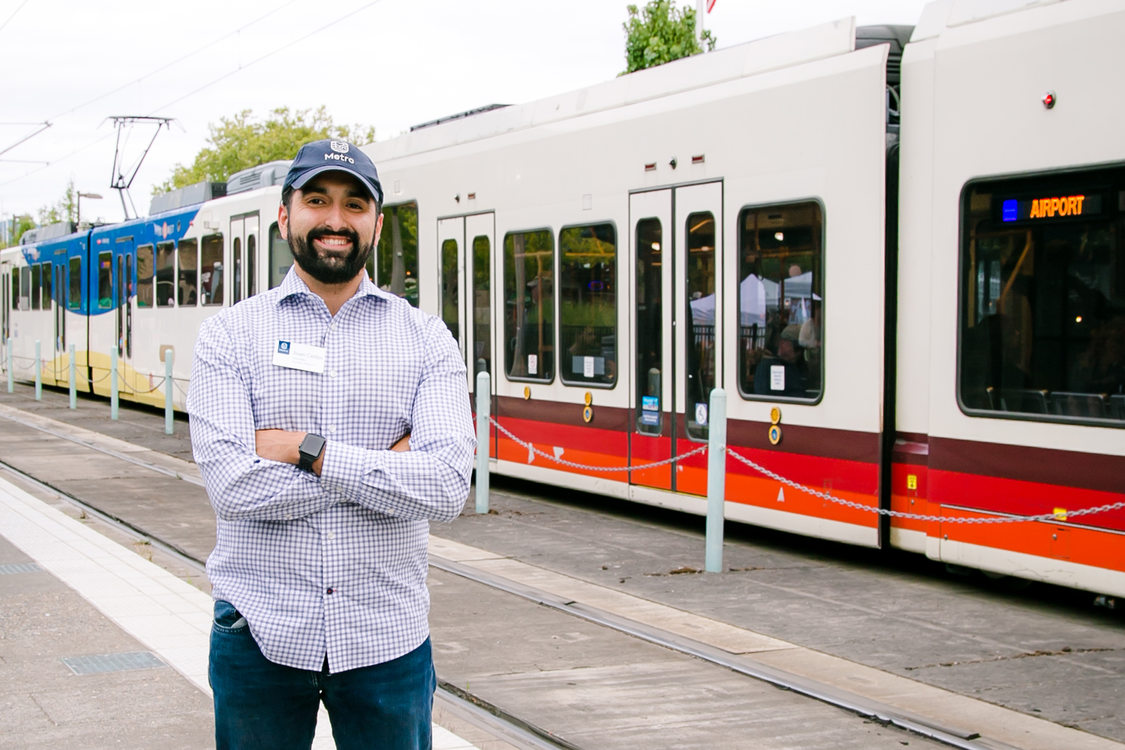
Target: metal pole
113 383
716 479
168 391
38 373
484 391
73 379
11 381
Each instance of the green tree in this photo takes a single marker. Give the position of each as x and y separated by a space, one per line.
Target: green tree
19 224
243 141
65 209
661 33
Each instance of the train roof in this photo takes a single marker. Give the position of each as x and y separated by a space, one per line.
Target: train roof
731 63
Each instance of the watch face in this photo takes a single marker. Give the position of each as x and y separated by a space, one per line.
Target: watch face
311 446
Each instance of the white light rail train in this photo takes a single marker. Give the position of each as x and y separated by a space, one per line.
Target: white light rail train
899 250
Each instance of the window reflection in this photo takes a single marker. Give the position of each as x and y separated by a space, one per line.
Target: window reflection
700 293
450 296
1043 296
650 341
780 301
482 304
588 304
529 305
396 257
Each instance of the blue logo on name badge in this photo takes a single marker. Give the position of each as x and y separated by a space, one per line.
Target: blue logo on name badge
282 347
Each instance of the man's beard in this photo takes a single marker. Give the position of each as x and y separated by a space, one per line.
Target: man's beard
331 269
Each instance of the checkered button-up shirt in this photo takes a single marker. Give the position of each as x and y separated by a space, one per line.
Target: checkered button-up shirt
333 565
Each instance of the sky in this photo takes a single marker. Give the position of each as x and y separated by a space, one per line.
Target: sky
390 64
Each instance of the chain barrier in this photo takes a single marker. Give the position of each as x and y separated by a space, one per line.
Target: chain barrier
807 490
628 467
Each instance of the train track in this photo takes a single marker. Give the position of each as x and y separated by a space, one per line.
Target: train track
499 721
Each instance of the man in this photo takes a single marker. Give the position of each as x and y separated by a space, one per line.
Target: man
331 423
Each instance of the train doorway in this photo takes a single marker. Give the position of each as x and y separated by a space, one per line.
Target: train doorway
465 294
58 308
125 255
677 330
244 260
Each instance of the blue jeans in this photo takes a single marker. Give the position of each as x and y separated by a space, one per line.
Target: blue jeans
260 704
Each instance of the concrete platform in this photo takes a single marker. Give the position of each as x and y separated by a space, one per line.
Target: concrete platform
99 646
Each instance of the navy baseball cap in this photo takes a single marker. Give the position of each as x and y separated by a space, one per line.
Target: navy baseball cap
331 155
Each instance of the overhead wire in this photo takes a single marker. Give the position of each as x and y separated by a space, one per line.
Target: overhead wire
177 61
13 14
197 90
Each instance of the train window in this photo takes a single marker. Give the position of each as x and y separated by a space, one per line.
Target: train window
699 292
1042 305
74 284
25 288
281 257
145 265
529 305
251 265
236 261
780 300
482 303
650 340
187 266
15 302
45 277
165 274
450 300
588 304
105 280
396 257
211 269
35 290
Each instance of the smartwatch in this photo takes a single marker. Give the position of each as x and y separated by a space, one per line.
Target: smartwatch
310 449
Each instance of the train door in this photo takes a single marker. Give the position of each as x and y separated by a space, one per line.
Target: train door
125 260
58 307
678 330
244 255
466 250
5 313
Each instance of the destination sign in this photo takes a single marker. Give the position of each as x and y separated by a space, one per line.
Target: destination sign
1049 207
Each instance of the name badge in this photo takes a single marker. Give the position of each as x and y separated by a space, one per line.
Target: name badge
300 356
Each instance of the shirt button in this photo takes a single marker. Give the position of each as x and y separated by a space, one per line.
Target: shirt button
331 535
331 430
330 591
331 373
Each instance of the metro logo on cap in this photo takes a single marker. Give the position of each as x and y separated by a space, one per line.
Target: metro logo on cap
328 155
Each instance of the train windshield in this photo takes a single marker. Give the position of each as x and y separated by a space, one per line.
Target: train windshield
1043 297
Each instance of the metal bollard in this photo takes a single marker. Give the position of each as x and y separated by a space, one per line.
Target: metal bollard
11 381
73 379
168 391
113 383
38 373
484 391
716 479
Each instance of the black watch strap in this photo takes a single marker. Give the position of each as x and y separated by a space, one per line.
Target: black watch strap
310 449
